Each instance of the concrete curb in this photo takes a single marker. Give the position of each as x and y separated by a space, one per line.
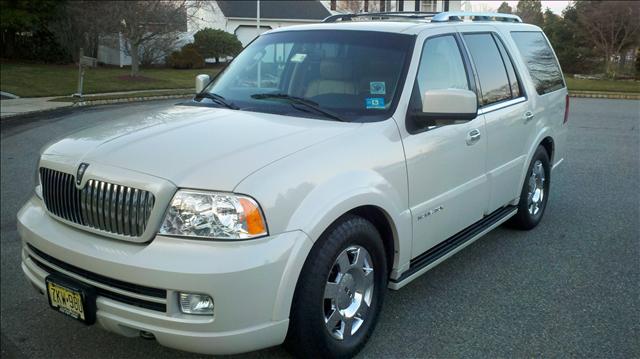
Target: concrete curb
72 106
129 99
607 95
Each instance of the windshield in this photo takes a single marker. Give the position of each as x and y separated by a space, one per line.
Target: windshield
345 75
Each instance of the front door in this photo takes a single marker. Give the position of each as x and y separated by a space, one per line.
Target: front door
445 160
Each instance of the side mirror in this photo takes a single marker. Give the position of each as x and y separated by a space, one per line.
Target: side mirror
446 106
201 82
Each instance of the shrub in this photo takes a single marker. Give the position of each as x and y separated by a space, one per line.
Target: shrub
187 58
216 43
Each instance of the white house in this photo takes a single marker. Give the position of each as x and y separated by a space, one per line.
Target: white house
240 17
393 5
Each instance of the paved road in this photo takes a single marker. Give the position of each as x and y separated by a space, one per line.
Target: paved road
568 288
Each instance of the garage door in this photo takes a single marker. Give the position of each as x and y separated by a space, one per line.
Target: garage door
247 33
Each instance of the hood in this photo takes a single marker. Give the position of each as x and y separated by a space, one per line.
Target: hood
196 147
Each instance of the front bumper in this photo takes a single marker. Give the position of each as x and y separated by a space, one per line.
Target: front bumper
251 282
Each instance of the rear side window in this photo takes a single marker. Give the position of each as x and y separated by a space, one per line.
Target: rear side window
513 78
541 63
490 68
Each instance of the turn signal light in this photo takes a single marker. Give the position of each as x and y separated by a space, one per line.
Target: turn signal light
254 220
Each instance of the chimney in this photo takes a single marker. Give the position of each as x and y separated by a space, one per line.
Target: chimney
333 5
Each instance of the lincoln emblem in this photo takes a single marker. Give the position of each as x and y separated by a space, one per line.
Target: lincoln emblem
81 170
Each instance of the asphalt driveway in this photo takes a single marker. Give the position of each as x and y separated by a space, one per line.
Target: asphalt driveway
569 288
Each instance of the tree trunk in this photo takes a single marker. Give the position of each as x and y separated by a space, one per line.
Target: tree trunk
607 65
135 60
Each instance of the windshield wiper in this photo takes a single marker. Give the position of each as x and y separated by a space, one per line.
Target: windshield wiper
217 99
295 100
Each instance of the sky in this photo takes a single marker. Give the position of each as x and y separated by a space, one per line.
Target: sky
481 5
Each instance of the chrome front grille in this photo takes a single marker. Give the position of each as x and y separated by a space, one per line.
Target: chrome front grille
102 205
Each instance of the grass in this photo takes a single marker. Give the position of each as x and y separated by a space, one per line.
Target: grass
603 85
41 80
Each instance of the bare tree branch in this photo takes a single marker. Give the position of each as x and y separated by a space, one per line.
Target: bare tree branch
611 26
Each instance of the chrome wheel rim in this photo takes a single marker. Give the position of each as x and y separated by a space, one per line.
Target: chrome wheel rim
535 197
348 292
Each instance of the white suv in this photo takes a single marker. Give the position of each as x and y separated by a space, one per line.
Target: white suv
325 164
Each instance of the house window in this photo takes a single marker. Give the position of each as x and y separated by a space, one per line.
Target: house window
429 5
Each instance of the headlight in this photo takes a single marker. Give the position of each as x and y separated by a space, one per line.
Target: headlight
213 215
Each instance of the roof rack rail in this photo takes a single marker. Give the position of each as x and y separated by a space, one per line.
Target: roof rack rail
413 15
474 16
449 16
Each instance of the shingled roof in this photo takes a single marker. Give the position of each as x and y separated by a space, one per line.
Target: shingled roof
294 10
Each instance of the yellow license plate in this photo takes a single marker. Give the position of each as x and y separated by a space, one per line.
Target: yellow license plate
66 300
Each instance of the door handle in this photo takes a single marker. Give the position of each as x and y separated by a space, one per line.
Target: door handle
473 136
528 116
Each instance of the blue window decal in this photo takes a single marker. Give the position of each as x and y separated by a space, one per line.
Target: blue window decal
374 103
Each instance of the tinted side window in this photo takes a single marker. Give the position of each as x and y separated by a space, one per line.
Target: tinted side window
441 67
491 72
513 79
541 63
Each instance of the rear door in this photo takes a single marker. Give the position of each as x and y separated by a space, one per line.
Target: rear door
508 118
446 167
548 90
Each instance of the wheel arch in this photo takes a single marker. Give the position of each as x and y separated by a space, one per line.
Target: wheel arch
386 228
368 206
544 139
379 217
549 146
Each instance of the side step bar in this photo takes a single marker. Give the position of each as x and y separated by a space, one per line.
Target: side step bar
453 244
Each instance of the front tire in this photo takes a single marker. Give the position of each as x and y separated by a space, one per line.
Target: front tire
340 291
535 192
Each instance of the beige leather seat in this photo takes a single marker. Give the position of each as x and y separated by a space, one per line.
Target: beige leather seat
335 78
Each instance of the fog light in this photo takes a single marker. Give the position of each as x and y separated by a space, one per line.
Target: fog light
192 303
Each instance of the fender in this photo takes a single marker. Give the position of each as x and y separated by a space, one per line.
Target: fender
318 216
324 205
310 189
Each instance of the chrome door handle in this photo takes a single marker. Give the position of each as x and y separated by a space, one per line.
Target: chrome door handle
528 116
473 136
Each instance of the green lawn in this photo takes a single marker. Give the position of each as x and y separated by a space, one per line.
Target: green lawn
38 80
603 85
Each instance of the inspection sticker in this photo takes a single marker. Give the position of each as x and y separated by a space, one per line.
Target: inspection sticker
298 57
377 88
375 102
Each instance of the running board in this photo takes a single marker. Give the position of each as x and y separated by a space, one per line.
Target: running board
452 245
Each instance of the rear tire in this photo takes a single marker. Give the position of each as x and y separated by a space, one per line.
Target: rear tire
535 192
340 292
